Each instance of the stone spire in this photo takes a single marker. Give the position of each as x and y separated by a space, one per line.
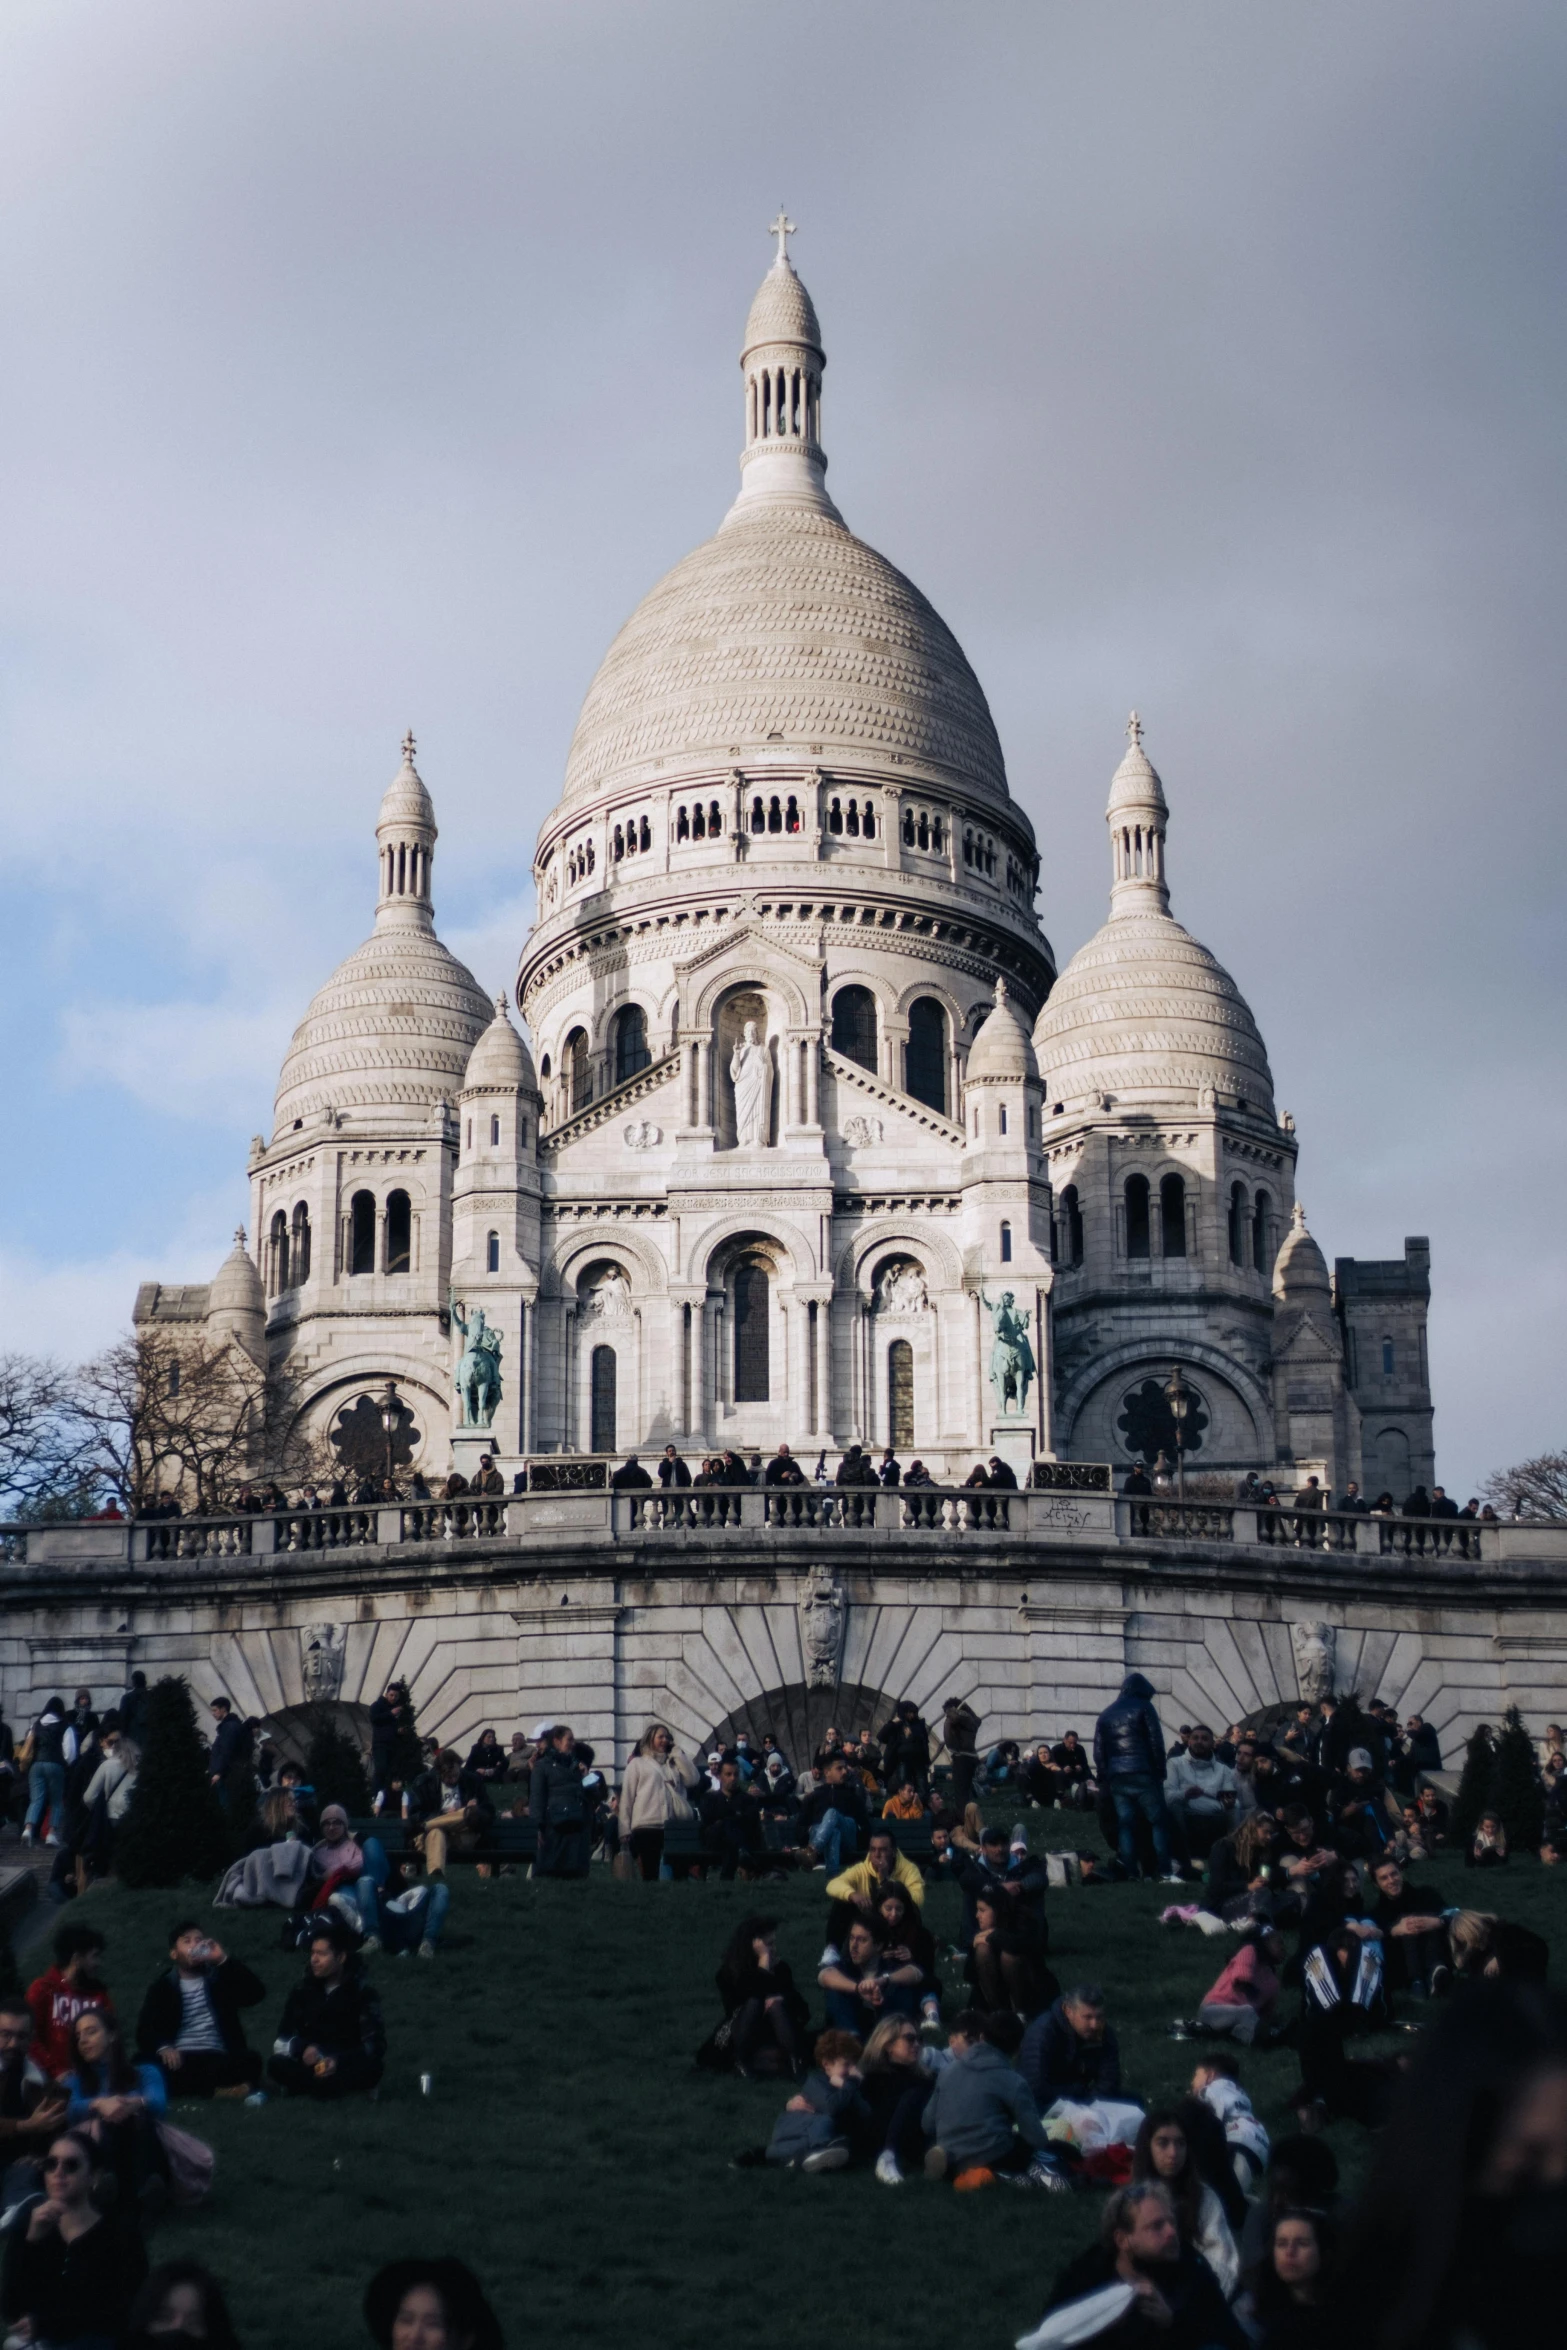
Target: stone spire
782 360
405 838
1137 817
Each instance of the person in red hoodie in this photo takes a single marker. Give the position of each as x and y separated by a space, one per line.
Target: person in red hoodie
69 1988
1242 2002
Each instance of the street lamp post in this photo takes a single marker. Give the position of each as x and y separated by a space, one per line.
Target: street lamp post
391 1412
1178 1396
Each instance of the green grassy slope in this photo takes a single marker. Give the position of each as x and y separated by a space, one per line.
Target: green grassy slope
571 2154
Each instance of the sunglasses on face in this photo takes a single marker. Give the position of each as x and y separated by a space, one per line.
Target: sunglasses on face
66 2163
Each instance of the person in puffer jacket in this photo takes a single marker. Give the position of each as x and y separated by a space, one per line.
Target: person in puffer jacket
1129 1766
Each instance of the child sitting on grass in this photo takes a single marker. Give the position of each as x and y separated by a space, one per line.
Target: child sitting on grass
812 2131
1216 2081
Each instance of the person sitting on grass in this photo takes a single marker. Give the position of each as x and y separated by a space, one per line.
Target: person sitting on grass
1175 2301
402 1922
181 2302
1483 1944
883 1864
63 1992
430 2305
765 2012
1302 2174
1284 2307
812 2132
1216 2083
118 2105
907 1941
1487 1847
1071 2051
331 2042
1006 1963
337 1862
1243 2002
190 2019
861 1986
1163 2152
905 1803
1014 1873
70 2270
32 2107
896 2085
1414 1933
832 1815
981 2119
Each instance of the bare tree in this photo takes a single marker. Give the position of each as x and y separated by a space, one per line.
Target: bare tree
1534 1489
37 1468
187 1415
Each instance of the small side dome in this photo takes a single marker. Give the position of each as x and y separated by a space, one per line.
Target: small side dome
1300 1272
236 1303
1135 783
783 311
406 800
500 1062
1003 1048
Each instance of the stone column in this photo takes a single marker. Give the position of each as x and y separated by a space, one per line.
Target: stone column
813 1080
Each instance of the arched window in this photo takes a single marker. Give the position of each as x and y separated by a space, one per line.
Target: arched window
835 816
868 820
908 827
853 819
792 815
1262 1233
299 1252
1389 1358
1006 1244
854 1025
630 1033
758 817
715 822
683 823
926 1057
579 1075
1137 1216
399 1232
492 1253
495 1133
752 1351
361 1232
1237 1223
900 1395
1003 1121
279 1253
1172 1215
172 1383
602 1406
775 815
646 841
1072 1225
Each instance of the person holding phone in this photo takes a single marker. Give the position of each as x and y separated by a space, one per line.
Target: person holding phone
191 2024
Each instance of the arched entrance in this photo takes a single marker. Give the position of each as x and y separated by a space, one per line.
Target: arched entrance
799 1718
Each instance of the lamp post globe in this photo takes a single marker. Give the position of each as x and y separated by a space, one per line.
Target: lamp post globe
391 1409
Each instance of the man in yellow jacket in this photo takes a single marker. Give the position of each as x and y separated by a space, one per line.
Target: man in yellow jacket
883 1864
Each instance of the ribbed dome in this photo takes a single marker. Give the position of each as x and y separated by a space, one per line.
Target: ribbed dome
1002 1048
392 1028
1300 1270
500 1060
783 311
784 631
1146 1014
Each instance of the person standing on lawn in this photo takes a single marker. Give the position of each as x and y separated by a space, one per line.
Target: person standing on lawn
558 1808
190 2021
656 1789
1129 1766
332 2041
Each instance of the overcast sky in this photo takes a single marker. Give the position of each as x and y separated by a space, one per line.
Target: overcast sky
364 364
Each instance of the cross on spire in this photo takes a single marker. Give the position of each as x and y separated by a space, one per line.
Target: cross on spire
1134 731
783 229
409 746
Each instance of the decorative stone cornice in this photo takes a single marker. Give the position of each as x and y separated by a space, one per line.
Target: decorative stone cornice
620 1097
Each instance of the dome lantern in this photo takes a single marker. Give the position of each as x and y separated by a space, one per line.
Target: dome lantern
782 361
405 839
1137 816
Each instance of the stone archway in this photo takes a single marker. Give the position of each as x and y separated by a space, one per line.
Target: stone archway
799 1718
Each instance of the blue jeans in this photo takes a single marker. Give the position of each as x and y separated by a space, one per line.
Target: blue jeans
403 1929
836 1837
1132 1797
46 1786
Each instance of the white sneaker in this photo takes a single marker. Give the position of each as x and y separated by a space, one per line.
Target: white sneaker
52 1838
369 1946
834 2157
256 2097
28 1837
427 1949
887 2168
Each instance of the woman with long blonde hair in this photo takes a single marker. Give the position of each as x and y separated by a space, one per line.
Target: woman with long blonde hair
656 1789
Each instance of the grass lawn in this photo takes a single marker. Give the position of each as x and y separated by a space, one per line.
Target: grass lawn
572 2155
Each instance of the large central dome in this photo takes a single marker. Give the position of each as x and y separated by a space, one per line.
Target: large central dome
784 634
785 629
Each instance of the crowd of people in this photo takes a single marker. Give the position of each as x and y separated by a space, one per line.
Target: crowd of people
970 2065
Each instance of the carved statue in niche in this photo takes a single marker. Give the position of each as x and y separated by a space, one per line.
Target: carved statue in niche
751 1072
900 1288
608 1297
821 1628
1314 1646
323 1653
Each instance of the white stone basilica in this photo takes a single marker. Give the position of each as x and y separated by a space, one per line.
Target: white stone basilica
806 1097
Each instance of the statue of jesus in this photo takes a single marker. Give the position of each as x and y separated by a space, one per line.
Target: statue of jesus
751 1070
